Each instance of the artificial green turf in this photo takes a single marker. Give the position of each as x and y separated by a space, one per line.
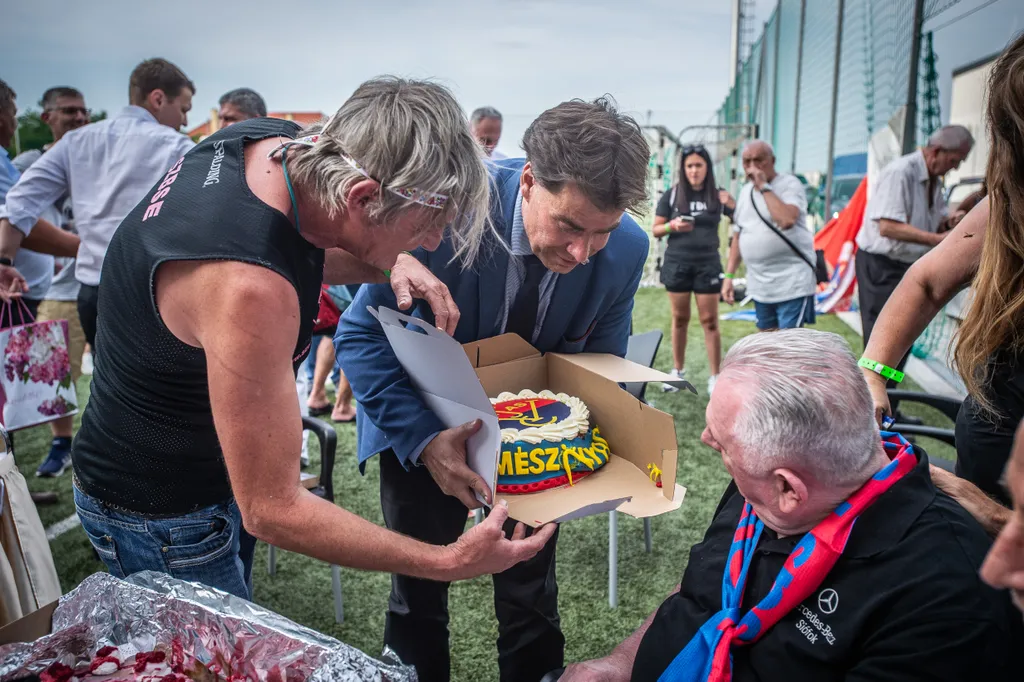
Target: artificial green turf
301 589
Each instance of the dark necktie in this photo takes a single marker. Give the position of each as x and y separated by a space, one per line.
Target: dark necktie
522 317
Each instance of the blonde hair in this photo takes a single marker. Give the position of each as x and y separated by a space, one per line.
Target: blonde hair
995 319
405 134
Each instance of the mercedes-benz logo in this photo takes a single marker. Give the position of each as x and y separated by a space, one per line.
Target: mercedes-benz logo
828 601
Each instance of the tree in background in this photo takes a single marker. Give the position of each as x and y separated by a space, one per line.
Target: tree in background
34 134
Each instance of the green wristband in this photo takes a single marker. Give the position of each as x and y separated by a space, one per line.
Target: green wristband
882 370
728 275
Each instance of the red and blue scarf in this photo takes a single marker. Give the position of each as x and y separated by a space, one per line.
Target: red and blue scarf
708 656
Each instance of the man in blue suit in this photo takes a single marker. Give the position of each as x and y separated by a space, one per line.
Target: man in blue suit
561 270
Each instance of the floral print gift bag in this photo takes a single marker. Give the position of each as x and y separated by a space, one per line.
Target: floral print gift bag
36 372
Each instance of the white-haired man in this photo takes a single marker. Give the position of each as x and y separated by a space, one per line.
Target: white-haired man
771 210
831 556
485 124
905 217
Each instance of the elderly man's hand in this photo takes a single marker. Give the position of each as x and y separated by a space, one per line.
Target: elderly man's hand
484 549
758 177
12 284
606 669
411 279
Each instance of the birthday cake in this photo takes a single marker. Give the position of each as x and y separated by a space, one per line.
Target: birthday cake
546 441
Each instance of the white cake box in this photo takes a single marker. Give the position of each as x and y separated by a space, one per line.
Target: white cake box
455 381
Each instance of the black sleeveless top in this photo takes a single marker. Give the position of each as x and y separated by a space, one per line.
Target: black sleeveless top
147 442
984 441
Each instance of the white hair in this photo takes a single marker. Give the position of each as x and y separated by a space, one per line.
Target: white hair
808 408
755 143
406 134
951 138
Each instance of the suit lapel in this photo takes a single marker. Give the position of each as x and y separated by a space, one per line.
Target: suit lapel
493 273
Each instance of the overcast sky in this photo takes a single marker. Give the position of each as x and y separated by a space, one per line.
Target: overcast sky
521 56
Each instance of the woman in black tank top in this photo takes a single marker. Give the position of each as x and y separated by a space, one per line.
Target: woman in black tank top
208 296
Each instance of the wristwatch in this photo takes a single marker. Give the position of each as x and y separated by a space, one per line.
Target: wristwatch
4 260
767 188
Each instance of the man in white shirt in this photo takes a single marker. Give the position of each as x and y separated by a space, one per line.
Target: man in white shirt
112 165
485 124
905 217
780 280
64 110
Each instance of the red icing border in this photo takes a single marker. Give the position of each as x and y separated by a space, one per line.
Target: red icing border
538 486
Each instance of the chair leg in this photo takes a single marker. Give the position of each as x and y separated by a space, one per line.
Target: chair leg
613 559
272 561
648 540
478 516
339 605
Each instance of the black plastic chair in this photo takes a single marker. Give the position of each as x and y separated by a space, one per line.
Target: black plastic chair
947 406
642 349
323 487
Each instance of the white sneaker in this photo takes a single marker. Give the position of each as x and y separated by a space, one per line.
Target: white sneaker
675 374
711 383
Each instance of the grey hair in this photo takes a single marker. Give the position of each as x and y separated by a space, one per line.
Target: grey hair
405 134
808 407
951 138
484 112
754 143
50 97
593 146
248 102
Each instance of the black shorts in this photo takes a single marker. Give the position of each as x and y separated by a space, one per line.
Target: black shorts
699 276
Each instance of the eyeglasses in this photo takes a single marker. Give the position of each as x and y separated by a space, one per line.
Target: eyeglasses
71 111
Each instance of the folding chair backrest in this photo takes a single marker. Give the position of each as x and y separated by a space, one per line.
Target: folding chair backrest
642 349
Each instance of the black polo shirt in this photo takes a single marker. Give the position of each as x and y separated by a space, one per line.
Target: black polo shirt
904 602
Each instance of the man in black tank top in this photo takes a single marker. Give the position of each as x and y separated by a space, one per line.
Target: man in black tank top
189 446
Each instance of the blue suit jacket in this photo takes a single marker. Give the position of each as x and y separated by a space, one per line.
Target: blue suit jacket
590 310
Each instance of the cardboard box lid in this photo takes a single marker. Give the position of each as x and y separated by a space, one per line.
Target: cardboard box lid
623 371
499 349
437 366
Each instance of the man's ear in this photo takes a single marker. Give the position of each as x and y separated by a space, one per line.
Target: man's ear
790 490
527 181
157 99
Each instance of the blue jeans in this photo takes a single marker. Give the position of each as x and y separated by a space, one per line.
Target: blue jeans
208 546
789 314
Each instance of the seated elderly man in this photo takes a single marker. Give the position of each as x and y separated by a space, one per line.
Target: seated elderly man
831 556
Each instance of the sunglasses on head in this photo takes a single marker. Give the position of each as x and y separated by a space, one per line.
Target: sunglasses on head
694 149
